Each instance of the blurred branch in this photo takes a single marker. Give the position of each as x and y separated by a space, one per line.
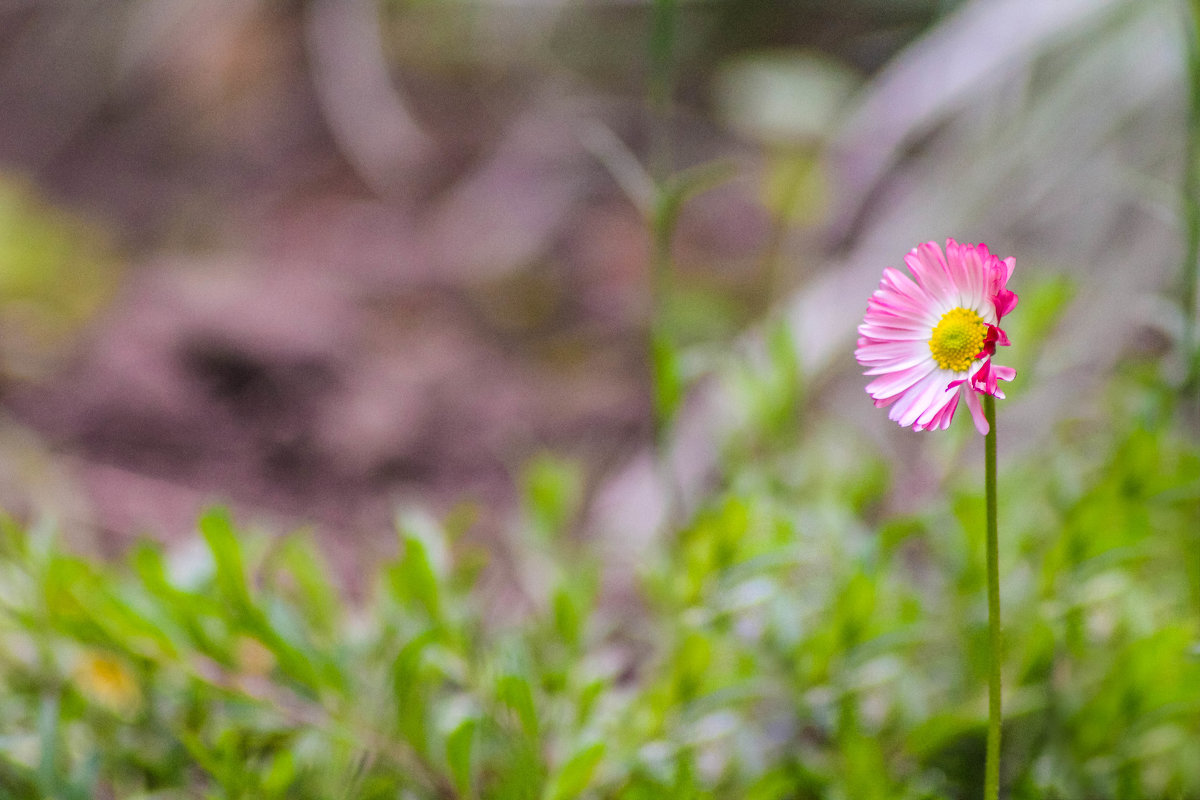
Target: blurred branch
366 114
972 49
599 140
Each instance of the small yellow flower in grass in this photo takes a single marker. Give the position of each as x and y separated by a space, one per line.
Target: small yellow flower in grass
106 681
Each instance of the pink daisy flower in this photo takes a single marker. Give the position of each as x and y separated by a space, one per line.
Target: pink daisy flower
931 341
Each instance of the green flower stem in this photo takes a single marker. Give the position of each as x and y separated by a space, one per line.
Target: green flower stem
991 785
1191 201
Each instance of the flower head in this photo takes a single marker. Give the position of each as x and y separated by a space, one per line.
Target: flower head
931 341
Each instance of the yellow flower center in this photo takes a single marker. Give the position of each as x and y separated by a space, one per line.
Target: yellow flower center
957 339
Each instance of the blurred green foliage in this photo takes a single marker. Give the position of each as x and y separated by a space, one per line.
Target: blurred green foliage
789 641
56 271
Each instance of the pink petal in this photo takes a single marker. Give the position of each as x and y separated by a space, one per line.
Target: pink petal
1004 373
937 405
1004 300
917 400
967 270
896 383
981 423
901 294
929 266
912 362
984 378
892 355
944 416
887 333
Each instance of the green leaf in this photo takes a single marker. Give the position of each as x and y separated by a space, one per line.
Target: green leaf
202 754
14 541
514 691
278 777
16 780
414 581
692 660
865 768
316 596
459 745
553 488
86 604
188 610
217 529
410 691
234 589
519 774
781 394
777 784
587 699
568 619
576 774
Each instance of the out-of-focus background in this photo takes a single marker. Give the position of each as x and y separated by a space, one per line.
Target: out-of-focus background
318 258
571 288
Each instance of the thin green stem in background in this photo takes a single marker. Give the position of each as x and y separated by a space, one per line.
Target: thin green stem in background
662 83
1188 344
1191 204
666 384
991 786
